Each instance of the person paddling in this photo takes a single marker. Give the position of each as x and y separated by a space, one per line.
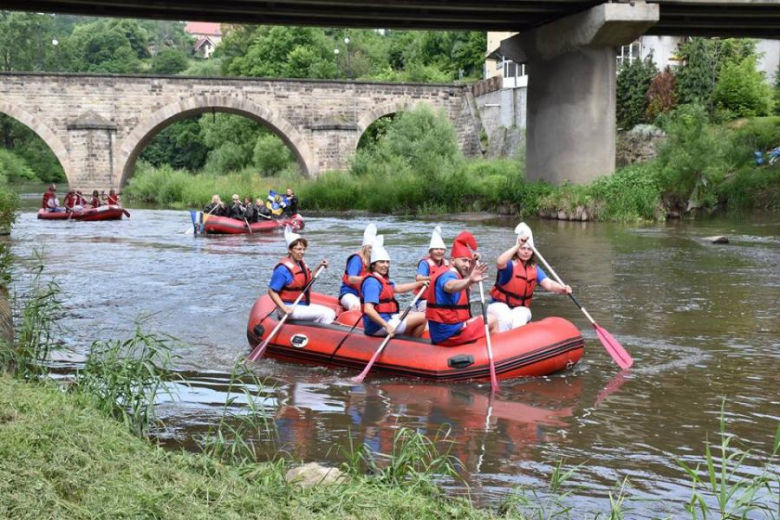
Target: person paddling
380 309
517 277
448 310
356 270
95 201
428 267
50 201
216 207
113 198
290 277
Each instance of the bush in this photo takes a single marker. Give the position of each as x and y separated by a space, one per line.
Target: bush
661 97
13 168
742 91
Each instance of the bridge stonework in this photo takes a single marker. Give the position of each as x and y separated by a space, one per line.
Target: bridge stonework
97 125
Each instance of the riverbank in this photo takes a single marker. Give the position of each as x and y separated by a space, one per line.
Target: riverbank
61 458
700 168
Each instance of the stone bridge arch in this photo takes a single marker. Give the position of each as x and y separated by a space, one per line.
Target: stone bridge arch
42 131
378 112
132 145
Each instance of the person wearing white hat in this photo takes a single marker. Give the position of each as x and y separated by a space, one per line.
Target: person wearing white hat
290 278
517 277
428 266
381 312
356 270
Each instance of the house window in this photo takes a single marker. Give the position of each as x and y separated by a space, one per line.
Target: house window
628 53
513 70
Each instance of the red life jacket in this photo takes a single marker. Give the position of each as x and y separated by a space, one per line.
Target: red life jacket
445 313
363 273
301 276
80 200
387 302
46 197
520 288
433 269
113 200
70 200
95 203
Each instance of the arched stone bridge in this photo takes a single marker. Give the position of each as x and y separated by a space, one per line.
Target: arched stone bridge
97 125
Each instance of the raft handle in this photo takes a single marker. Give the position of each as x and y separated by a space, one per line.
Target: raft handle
460 361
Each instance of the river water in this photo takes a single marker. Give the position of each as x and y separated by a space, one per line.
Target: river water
700 320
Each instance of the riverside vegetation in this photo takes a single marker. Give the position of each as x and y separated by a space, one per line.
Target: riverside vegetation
415 167
86 450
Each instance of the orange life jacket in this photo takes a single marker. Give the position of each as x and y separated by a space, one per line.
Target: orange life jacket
520 288
446 313
301 276
433 269
387 302
363 273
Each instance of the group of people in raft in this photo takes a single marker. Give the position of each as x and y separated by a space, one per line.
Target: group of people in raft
444 306
275 206
75 201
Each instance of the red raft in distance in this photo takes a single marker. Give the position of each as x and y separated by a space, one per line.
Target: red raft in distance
214 225
537 349
87 215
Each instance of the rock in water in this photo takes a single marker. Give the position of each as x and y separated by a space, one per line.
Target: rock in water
312 474
720 239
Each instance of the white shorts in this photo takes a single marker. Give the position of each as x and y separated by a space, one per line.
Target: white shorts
313 312
394 320
350 302
509 319
421 305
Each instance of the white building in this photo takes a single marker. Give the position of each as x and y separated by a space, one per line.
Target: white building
207 34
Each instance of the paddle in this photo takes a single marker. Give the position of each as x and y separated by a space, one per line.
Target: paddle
248 226
613 348
260 349
359 378
488 342
348 334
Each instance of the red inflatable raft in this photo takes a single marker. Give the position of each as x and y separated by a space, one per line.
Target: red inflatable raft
87 215
214 225
540 348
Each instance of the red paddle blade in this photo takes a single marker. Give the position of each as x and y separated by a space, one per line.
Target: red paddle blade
614 349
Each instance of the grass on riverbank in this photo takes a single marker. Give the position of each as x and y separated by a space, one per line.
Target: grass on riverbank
79 464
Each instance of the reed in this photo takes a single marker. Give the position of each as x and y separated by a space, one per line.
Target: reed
125 378
234 438
720 482
36 314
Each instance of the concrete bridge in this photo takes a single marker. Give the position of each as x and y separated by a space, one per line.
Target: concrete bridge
97 125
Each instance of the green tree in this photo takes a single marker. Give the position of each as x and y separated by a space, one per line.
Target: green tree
777 91
170 62
633 82
271 155
231 140
115 46
696 78
742 90
180 145
25 41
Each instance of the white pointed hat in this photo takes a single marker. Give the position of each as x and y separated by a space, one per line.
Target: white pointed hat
436 240
289 236
378 251
369 235
522 230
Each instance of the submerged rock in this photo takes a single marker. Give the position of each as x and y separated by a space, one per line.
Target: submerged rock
312 474
719 239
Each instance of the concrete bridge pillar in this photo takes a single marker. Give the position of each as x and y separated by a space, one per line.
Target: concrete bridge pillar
571 89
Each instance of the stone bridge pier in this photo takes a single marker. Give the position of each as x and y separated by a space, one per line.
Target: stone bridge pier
571 89
98 125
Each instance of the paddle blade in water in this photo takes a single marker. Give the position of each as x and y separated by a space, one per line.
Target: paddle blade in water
615 349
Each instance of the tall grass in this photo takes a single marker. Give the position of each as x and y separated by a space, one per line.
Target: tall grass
233 439
36 314
126 378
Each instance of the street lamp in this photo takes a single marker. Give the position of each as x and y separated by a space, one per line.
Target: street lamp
346 46
56 42
336 53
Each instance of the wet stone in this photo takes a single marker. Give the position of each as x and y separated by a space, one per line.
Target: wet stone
719 239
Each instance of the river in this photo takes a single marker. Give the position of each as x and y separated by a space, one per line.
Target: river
700 320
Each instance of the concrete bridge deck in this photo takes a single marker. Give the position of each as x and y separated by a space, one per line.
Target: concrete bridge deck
753 18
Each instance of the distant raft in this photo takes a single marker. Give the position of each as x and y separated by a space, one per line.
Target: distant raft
537 349
205 224
86 215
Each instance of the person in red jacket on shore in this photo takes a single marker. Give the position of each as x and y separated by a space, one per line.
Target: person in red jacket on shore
449 310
